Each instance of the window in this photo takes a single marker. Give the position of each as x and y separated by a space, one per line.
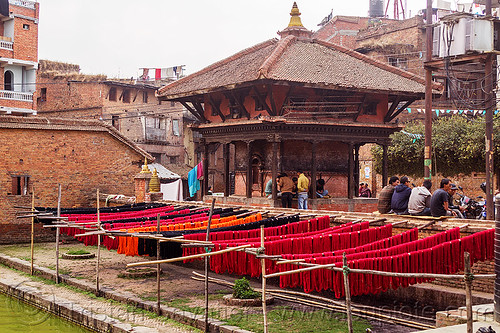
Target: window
8 80
26 26
20 185
172 103
157 157
398 62
126 96
144 96
115 122
174 159
112 94
175 127
43 94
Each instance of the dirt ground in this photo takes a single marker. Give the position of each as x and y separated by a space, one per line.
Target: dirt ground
177 286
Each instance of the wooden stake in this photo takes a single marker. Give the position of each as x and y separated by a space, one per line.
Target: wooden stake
468 291
347 294
207 239
158 268
58 231
32 227
98 247
263 264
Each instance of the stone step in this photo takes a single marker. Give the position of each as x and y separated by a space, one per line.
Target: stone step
481 312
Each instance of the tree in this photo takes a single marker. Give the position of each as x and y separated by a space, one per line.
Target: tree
457 144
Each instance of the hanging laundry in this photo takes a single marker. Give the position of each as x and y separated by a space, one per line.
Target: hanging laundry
193 181
199 170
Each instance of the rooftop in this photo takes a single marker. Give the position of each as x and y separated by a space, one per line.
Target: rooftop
66 124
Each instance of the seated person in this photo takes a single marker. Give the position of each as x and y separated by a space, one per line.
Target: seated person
456 210
400 197
269 188
321 192
419 203
440 199
385 196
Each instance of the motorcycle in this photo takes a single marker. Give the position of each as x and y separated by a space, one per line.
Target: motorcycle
474 209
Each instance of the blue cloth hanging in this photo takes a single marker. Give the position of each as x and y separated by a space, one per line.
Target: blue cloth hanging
193 181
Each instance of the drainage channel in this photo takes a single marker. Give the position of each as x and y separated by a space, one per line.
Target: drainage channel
18 316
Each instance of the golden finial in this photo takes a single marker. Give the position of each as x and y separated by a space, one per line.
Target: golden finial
295 17
145 168
154 183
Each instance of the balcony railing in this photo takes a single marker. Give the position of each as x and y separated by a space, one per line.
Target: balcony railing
6 45
23 3
155 134
16 95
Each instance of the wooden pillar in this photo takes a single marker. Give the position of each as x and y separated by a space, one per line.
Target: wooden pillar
384 165
274 170
356 169
280 157
204 188
350 175
249 169
313 169
490 104
227 187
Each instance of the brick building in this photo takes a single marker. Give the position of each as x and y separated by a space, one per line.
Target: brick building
343 30
81 155
289 104
130 106
18 56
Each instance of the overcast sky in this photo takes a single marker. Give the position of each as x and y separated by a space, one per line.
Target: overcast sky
117 37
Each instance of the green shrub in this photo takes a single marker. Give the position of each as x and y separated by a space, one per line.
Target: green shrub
77 252
243 290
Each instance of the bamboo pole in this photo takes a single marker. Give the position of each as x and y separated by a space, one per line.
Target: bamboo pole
426 225
32 228
158 268
58 231
382 273
207 250
282 262
347 294
263 264
98 247
332 305
195 256
468 290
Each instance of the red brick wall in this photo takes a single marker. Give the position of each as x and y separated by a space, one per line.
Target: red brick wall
73 97
17 104
25 41
81 161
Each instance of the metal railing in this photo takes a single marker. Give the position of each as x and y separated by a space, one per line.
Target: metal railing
16 95
6 45
155 134
23 3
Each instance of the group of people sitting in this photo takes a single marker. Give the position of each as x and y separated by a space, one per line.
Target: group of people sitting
399 198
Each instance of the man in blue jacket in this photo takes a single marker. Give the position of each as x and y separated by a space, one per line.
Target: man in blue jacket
400 197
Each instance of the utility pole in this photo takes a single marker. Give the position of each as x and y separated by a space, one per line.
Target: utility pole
428 94
490 103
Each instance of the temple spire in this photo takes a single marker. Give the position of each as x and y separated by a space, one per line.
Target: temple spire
295 26
295 17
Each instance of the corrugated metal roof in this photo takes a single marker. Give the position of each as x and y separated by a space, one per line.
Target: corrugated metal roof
163 173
